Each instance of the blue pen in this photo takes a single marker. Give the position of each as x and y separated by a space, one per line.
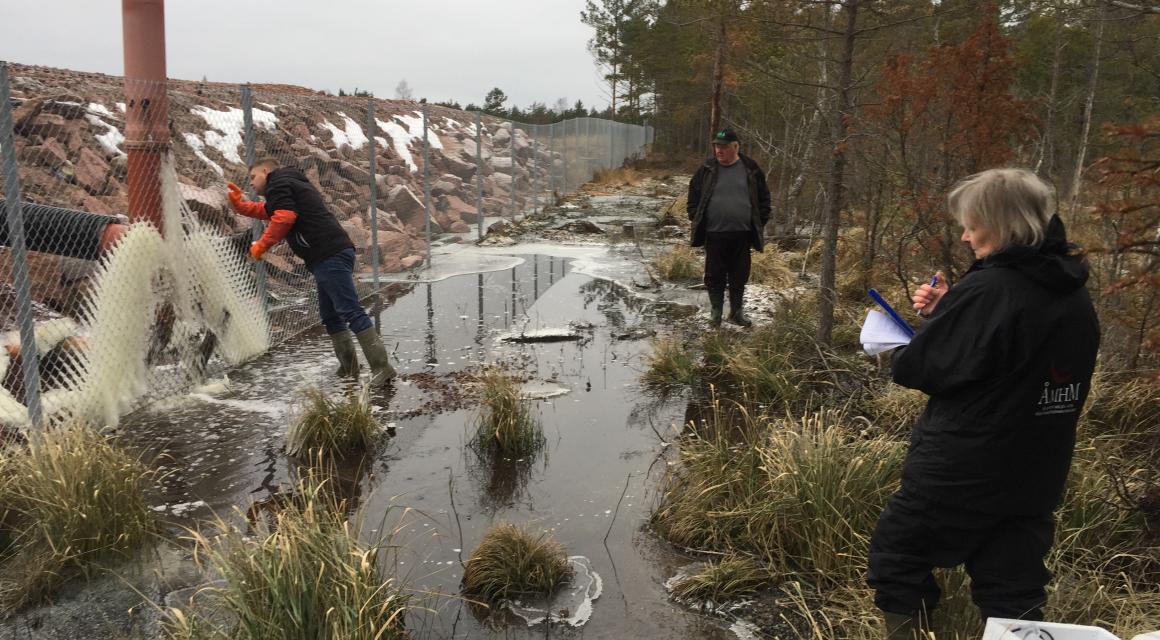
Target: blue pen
934 280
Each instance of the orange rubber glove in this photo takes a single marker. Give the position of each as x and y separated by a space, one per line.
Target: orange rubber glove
279 226
245 207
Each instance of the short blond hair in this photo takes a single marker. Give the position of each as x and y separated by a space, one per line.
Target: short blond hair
267 163
1013 204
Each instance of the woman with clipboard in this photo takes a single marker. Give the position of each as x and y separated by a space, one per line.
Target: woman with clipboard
1006 357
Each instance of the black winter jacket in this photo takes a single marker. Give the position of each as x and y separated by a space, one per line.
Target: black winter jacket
1007 360
701 191
316 234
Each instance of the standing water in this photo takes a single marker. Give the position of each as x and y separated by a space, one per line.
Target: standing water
590 485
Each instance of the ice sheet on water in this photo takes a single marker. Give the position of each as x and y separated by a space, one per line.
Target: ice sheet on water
456 264
571 605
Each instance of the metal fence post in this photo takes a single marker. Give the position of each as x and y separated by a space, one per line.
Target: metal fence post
564 137
256 226
512 153
427 184
552 159
374 185
535 175
588 155
611 146
479 175
16 245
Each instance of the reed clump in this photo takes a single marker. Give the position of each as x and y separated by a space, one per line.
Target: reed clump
679 263
306 574
70 501
333 427
511 562
731 578
505 424
669 363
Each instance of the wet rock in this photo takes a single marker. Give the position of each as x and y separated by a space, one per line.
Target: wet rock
543 335
586 227
410 262
635 333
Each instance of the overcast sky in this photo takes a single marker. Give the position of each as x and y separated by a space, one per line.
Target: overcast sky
535 50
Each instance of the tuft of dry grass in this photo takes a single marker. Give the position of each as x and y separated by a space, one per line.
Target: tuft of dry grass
771 269
69 500
616 177
679 263
511 562
669 363
731 578
895 409
674 212
505 424
800 494
306 575
330 427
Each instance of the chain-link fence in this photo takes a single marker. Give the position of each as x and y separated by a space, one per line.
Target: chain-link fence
124 263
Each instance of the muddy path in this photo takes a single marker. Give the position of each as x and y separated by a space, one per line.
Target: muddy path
578 271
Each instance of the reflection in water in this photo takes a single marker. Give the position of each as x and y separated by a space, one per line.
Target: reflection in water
612 300
432 357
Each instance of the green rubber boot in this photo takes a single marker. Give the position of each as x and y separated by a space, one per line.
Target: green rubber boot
343 342
381 370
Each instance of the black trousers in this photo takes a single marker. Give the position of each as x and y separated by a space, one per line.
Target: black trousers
727 264
1003 556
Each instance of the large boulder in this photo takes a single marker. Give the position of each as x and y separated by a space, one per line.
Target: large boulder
393 245
209 203
409 208
92 172
358 236
502 137
458 168
50 154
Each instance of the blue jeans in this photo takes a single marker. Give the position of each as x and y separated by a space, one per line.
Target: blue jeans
338 303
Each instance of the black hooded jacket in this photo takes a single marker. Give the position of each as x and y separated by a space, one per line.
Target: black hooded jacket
1007 359
316 234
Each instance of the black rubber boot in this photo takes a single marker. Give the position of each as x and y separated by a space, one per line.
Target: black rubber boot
343 342
737 309
900 626
376 354
716 307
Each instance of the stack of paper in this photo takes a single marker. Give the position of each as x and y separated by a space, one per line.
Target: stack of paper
880 333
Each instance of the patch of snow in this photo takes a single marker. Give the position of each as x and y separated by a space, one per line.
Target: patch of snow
198 147
574 601
100 108
540 390
352 136
745 630
111 139
382 142
226 135
400 139
269 106
121 106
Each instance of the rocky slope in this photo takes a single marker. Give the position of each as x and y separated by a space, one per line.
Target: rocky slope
70 143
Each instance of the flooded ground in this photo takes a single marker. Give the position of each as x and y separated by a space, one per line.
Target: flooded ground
222 444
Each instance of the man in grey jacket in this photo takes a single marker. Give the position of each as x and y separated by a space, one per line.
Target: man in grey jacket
729 207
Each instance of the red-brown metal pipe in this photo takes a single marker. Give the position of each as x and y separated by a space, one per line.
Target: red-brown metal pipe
146 105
